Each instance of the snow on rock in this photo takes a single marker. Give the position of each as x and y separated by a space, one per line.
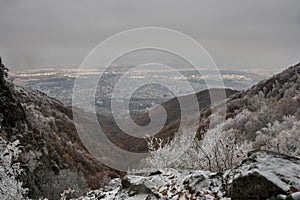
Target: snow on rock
264 174
108 192
203 182
167 184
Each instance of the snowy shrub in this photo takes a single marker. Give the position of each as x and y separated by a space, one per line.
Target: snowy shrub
218 151
239 121
221 149
53 185
10 187
266 121
281 136
163 154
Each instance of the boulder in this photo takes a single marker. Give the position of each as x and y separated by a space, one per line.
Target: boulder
199 181
263 175
137 185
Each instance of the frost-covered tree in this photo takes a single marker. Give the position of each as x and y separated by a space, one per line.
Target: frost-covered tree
222 149
53 185
268 120
281 136
165 153
10 186
219 150
263 123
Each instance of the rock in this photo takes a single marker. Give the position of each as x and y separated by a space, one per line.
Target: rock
155 173
3 72
294 196
168 184
202 180
254 186
115 183
263 175
137 185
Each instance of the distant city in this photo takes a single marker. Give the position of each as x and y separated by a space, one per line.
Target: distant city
59 85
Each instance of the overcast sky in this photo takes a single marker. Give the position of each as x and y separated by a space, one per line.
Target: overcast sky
237 34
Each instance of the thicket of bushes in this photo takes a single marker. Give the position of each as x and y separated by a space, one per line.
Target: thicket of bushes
266 121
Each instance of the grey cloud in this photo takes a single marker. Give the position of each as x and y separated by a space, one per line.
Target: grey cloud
35 33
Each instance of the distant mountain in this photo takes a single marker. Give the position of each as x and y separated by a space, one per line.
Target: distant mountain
281 87
274 87
171 126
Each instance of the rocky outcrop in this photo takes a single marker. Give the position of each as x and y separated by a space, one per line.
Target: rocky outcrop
3 72
12 117
262 175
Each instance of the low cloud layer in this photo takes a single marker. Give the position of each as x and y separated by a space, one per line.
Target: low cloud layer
237 34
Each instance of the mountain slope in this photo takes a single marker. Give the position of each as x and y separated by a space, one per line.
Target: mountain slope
53 157
282 88
265 117
171 126
272 105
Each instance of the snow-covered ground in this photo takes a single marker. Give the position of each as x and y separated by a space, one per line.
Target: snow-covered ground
264 174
